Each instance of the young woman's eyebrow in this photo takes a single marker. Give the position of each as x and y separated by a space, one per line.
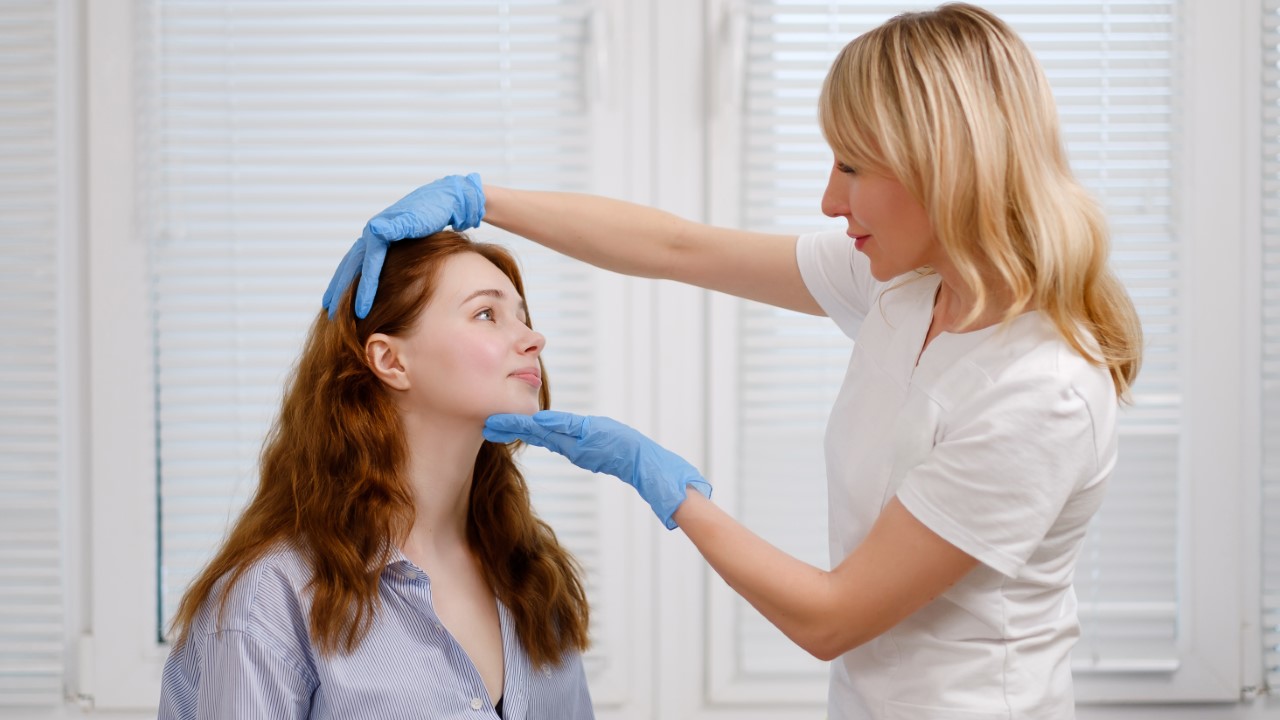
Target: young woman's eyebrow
494 293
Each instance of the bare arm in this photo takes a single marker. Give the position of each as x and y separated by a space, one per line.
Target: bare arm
637 240
900 567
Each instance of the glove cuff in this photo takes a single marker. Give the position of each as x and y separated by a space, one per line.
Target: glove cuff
699 485
469 210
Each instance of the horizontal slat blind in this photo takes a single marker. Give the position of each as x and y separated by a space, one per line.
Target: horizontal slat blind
270 131
31 572
1111 67
1271 340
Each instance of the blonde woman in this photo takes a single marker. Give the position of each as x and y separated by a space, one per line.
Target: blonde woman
975 431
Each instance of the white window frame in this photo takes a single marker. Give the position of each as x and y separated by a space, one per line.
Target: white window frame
126 659
72 327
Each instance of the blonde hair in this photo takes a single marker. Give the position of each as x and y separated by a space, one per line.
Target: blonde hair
953 104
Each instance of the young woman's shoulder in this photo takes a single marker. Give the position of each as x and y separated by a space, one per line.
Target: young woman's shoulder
252 651
269 597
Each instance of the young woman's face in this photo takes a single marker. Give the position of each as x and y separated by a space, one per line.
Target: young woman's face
470 354
885 221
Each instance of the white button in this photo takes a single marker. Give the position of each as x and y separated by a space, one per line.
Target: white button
476 704
439 627
546 670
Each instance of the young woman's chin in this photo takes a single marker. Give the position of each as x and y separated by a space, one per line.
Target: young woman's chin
514 408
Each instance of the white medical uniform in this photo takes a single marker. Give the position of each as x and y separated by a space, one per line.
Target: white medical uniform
1000 441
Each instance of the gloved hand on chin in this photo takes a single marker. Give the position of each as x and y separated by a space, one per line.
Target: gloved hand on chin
454 200
607 446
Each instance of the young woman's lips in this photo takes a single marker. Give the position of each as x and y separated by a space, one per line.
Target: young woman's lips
529 375
859 241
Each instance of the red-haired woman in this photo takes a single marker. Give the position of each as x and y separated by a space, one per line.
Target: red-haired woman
390 563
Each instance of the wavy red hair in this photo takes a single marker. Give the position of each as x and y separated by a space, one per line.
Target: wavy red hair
331 482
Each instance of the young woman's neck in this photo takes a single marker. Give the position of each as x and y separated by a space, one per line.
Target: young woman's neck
441 459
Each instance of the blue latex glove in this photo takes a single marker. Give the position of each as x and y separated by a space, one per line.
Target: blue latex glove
607 446
455 200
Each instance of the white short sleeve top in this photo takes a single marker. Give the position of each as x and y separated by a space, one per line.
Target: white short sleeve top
1000 441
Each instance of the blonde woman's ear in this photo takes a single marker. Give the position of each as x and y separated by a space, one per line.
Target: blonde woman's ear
382 353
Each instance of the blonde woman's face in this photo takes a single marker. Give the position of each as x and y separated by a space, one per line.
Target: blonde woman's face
470 353
885 221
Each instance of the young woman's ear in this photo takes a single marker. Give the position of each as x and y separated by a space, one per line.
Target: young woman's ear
383 353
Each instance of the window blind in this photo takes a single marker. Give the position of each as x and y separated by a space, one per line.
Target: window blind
269 132
1112 70
31 553
1271 341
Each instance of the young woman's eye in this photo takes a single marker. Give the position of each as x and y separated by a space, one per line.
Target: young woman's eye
485 314
845 168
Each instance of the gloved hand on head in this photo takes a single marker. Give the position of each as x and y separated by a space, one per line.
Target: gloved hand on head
607 446
455 200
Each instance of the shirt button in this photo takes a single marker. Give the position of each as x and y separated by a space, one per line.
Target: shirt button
439 627
476 704
546 671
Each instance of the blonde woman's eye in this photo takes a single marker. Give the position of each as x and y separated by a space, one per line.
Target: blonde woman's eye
845 168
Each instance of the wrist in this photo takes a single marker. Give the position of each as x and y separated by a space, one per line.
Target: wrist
496 199
695 505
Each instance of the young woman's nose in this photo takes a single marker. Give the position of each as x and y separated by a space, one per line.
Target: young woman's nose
532 342
835 200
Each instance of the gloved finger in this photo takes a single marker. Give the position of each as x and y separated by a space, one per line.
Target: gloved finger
342 277
396 224
512 423
498 436
561 444
508 427
561 422
407 217
555 442
375 254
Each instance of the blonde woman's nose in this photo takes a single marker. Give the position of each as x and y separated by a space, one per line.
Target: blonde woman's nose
835 199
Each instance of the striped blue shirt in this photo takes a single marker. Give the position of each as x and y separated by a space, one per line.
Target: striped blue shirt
259 661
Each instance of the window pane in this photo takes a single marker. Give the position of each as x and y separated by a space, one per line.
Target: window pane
269 132
32 355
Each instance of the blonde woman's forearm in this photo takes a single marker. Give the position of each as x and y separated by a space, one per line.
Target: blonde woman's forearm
636 240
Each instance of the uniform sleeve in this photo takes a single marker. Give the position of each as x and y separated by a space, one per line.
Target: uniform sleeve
838 277
1003 470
